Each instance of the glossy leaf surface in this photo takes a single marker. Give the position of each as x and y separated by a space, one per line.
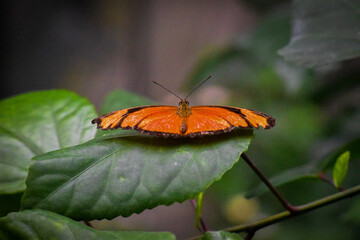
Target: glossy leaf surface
39 224
35 123
126 172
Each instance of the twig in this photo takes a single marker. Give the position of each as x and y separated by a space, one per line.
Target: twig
282 200
254 226
326 179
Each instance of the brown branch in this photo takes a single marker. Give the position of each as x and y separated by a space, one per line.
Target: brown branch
277 194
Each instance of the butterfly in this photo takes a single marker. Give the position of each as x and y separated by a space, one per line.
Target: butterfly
183 120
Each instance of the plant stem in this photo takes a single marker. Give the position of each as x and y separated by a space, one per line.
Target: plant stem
300 210
254 226
326 179
277 194
204 227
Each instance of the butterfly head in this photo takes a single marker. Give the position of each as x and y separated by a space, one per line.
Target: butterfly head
184 109
183 102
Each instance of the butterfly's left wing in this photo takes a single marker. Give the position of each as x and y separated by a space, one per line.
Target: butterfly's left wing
153 120
218 119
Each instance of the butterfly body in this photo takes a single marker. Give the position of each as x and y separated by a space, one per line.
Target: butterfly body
183 121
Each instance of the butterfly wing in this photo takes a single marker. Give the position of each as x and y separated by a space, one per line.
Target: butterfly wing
208 120
153 120
202 120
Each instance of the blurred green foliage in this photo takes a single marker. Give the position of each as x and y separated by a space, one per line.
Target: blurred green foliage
307 136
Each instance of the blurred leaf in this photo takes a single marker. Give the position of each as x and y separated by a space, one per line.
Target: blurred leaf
221 235
127 172
9 203
309 170
269 35
340 168
39 224
291 175
35 123
198 211
120 99
324 31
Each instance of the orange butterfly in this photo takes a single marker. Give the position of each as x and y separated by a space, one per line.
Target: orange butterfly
183 121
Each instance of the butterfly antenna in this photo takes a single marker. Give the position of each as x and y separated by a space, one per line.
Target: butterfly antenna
198 86
167 90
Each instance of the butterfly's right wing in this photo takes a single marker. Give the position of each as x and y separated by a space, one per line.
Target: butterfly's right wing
209 120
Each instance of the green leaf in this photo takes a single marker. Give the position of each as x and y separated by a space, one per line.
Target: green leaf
221 235
340 168
35 123
127 172
40 224
323 32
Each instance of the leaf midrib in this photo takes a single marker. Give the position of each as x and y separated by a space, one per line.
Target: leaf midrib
23 139
76 176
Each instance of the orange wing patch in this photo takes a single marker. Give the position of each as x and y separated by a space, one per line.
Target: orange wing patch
110 120
253 118
205 122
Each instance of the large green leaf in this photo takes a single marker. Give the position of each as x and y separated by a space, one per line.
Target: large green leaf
40 224
35 123
323 32
126 172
